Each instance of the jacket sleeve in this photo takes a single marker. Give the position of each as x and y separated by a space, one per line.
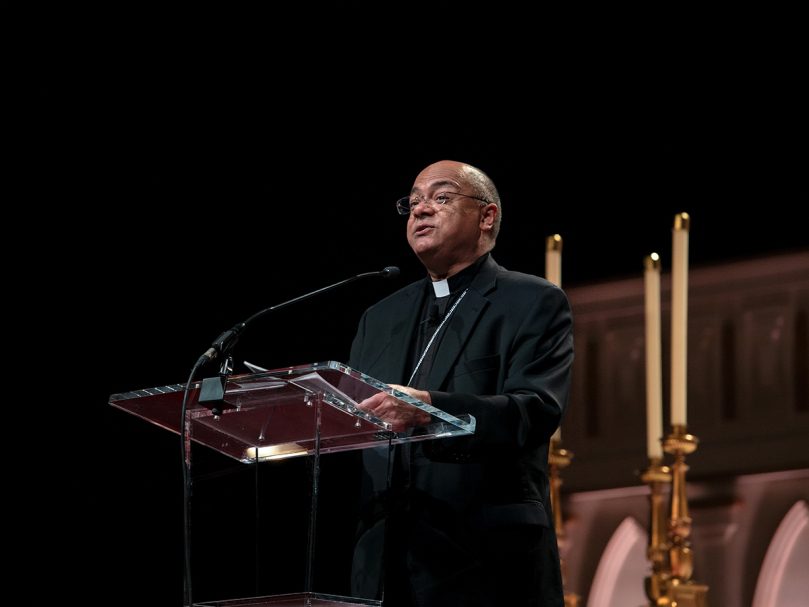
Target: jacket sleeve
536 369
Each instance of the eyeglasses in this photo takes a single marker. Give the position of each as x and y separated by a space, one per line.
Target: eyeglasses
406 204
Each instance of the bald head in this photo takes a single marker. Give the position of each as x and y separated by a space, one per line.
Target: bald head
480 184
460 221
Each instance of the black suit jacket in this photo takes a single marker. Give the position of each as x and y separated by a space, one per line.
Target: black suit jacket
505 358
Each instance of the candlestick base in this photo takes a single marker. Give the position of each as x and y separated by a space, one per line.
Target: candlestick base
657 477
689 594
681 590
559 459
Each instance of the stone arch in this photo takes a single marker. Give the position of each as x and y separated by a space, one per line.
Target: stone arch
782 580
622 568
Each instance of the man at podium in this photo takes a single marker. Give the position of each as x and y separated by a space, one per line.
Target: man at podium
463 521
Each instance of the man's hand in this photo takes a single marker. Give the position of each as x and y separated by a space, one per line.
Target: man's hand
398 414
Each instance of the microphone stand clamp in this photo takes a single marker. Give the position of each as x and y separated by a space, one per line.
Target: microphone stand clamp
212 390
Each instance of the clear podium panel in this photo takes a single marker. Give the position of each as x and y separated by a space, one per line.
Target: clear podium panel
303 599
285 412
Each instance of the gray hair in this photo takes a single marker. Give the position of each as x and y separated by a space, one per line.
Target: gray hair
484 187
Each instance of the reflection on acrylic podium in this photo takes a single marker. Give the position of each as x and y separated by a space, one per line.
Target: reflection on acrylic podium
306 410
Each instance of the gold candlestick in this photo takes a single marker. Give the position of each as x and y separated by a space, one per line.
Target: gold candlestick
558 459
681 590
657 476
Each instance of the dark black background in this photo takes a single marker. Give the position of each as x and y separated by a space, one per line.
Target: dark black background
173 187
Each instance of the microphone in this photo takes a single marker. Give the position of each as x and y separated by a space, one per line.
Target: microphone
388 272
223 344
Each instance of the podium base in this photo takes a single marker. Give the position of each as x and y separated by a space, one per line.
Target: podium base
302 599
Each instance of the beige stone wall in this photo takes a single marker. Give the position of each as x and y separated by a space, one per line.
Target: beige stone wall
748 403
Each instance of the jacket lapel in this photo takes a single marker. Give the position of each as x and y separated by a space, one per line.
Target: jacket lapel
397 365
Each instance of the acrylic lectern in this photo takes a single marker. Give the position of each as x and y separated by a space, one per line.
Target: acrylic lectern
305 410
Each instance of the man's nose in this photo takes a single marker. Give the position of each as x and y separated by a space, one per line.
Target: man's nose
424 207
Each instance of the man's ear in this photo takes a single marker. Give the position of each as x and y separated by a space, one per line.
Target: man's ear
488 216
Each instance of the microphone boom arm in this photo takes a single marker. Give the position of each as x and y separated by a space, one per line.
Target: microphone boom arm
227 340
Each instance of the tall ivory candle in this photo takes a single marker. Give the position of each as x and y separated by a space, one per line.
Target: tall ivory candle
654 382
679 318
553 259
553 273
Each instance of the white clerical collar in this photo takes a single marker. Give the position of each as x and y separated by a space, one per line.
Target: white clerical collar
441 288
